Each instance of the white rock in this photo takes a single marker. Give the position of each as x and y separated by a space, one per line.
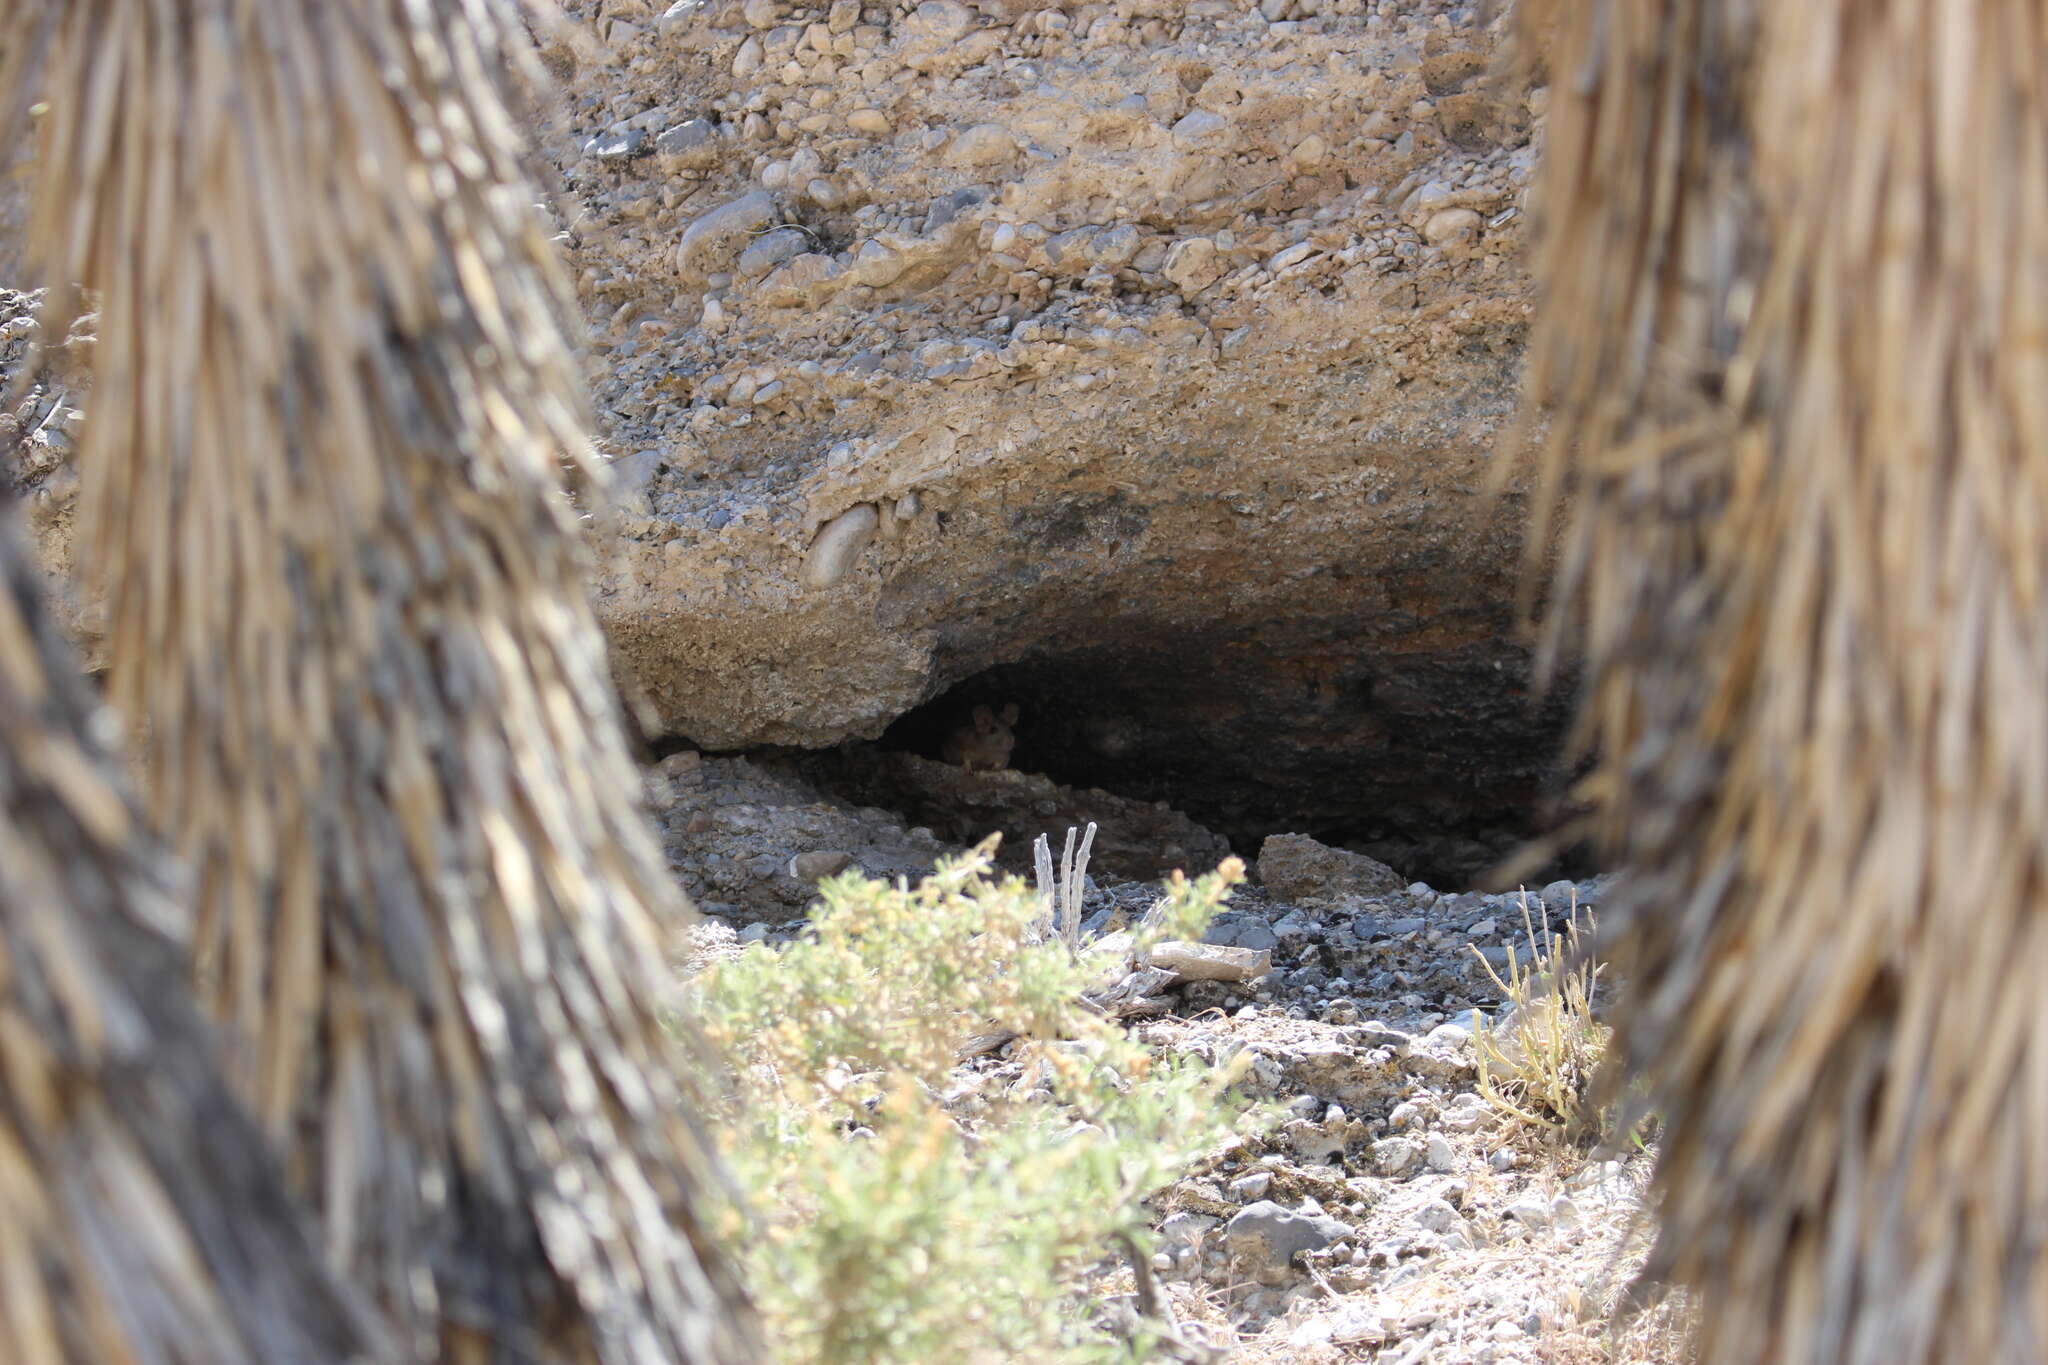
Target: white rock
1450 225
876 265
1441 1155
1438 1216
1293 255
1200 126
838 545
982 145
1396 1155
1192 265
1433 194
1249 1189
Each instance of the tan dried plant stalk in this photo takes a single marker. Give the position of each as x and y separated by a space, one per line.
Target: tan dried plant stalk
322 494
1794 278
143 1217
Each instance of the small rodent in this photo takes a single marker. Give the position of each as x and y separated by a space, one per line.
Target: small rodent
985 742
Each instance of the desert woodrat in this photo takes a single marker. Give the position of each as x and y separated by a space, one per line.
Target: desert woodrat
1794 284
984 742
323 498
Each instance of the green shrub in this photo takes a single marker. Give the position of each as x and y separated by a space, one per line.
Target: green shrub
906 1208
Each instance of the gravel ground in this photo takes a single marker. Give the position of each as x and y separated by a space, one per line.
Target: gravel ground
1391 1213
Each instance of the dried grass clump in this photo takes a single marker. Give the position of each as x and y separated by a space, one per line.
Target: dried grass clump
322 494
142 1215
1795 281
1538 1060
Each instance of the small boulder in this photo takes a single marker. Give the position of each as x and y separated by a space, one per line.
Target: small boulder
617 144
712 242
686 139
1192 265
982 145
1266 1238
1295 867
1201 127
771 249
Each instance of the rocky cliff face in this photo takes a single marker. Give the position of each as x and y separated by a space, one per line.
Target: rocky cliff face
1139 363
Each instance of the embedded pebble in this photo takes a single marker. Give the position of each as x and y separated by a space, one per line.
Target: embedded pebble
717 237
838 544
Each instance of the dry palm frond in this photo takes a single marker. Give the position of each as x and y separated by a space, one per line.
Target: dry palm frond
143 1217
322 495
1794 277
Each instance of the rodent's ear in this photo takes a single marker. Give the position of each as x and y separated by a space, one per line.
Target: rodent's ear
1010 714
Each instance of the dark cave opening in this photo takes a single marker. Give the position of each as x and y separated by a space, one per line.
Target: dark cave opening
1441 764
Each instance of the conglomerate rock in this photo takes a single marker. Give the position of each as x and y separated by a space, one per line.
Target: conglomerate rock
1138 362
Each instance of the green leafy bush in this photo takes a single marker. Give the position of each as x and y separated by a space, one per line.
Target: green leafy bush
907 1208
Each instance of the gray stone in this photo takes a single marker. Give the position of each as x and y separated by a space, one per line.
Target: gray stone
686 139
1241 932
618 144
947 207
1267 1237
715 239
771 249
